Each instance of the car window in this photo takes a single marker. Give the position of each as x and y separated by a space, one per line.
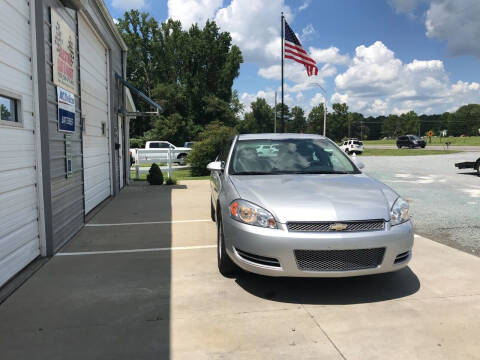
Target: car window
357 142
154 145
164 145
298 156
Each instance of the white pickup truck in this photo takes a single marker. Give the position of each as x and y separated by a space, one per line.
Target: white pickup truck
157 151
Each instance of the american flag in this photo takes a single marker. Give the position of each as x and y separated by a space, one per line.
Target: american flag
294 50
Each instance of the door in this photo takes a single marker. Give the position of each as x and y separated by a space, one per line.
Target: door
95 111
121 151
19 198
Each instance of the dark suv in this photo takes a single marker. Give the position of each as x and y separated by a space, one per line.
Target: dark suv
410 141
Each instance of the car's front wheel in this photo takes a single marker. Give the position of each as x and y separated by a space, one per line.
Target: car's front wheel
225 265
212 211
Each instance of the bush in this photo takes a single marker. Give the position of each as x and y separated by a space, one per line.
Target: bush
212 140
137 143
171 181
155 176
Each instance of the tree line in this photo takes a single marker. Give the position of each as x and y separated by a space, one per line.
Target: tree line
190 73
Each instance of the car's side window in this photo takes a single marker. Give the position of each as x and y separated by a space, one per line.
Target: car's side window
154 145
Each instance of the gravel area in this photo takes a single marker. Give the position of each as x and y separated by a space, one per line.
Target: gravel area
444 201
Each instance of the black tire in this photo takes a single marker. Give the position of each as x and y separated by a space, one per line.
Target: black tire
423 146
225 265
412 147
477 167
182 158
212 212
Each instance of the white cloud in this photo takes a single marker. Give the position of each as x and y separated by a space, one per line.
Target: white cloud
305 5
129 4
193 11
307 32
255 28
405 6
330 55
378 83
317 99
457 22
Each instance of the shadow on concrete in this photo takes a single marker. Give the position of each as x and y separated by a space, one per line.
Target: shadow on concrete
468 173
332 291
100 306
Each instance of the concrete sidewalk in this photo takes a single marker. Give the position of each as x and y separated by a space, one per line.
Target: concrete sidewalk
161 304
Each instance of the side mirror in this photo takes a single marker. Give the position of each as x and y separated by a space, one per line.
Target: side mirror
358 163
216 166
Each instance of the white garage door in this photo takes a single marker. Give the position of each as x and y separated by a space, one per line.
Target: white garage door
19 228
94 98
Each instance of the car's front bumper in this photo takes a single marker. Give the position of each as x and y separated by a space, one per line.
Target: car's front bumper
280 244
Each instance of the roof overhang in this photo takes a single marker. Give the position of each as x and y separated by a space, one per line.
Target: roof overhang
140 94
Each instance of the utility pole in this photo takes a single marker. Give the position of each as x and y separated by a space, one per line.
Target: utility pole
275 119
325 117
324 107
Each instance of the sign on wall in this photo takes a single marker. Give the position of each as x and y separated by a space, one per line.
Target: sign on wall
66 110
64 45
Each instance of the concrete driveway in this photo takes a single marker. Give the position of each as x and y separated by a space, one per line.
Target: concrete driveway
140 282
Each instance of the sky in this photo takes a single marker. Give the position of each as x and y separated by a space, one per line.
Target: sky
378 56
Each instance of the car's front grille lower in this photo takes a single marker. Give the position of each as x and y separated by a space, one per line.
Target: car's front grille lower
338 260
339 226
262 260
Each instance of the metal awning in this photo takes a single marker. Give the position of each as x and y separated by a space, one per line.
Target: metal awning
142 96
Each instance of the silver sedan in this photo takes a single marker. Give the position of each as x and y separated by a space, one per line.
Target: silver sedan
304 209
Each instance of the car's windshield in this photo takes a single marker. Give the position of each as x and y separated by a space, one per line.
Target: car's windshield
289 156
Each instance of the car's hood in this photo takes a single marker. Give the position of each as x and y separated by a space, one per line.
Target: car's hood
317 197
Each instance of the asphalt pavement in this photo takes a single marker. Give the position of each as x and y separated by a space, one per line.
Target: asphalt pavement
444 201
429 147
140 281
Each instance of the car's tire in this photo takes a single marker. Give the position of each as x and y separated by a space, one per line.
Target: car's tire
411 146
423 146
225 265
212 212
477 167
182 159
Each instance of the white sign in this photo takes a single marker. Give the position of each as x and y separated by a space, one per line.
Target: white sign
64 46
66 110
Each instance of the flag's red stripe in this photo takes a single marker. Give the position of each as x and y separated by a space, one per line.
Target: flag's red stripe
307 58
298 60
292 45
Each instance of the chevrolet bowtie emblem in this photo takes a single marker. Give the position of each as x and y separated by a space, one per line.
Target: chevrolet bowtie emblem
338 227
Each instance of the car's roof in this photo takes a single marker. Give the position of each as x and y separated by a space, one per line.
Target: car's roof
278 136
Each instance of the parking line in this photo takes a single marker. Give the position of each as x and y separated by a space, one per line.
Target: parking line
135 250
149 223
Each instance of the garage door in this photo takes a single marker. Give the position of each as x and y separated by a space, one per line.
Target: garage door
94 99
19 229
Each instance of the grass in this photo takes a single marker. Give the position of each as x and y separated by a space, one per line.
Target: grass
457 141
405 152
182 174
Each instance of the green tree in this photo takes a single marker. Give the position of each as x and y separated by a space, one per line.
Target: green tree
315 120
4 113
466 120
283 124
298 124
259 119
189 72
212 141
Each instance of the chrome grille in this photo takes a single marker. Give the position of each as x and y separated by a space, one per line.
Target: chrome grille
351 226
338 260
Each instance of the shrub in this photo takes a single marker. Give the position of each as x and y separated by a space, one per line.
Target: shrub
171 181
137 143
155 176
212 140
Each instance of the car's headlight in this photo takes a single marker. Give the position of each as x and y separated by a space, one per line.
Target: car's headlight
399 212
251 214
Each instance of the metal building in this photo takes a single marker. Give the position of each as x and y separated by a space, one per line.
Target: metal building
63 126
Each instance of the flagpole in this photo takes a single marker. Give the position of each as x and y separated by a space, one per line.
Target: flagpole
283 49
